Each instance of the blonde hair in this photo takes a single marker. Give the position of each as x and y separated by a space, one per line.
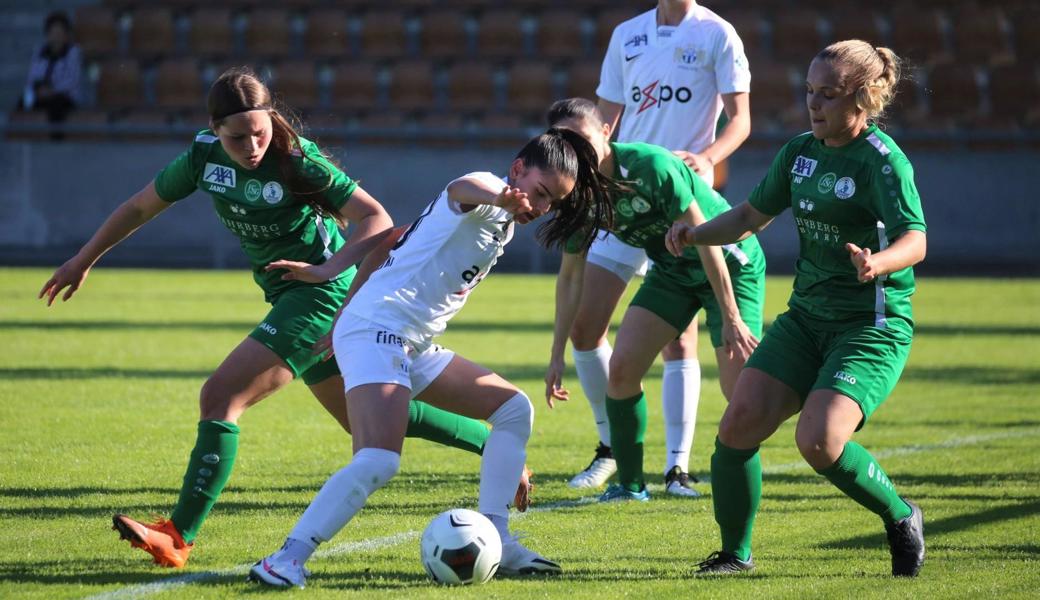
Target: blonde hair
872 73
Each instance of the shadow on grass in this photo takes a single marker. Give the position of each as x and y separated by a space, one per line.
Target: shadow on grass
973 375
87 572
51 373
1026 478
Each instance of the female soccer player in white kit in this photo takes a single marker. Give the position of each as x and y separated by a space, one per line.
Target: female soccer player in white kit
384 340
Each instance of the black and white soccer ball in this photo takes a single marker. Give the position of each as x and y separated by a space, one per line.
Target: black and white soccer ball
460 547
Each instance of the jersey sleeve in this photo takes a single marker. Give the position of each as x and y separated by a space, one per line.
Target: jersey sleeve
732 73
611 80
894 197
177 180
772 195
322 172
675 187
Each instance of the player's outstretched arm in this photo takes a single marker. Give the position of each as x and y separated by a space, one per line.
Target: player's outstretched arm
124 220
731 226
568 297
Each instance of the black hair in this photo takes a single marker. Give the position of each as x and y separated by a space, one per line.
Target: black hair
58 17
590 205
573 108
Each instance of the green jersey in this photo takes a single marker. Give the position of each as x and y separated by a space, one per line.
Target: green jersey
257 206
861 193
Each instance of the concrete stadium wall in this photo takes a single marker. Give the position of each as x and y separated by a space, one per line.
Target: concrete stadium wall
981 208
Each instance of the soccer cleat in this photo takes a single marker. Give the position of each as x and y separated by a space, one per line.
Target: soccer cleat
599 470
677 483
522 500
160 539
518 560
906 542
723 563
618 493
276 572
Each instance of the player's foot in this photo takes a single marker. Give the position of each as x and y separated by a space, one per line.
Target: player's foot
906 542
160 539
598 471
522 500
278 572
723 563
677 483
518 560
619 493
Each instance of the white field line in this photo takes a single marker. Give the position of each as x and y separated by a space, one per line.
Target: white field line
370 545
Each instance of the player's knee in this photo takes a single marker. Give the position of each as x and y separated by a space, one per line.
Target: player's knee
621 376
215 400
376 466
515 415
742 424
685 346
818 448
585 334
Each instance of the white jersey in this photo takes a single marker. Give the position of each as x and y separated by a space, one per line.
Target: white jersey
669 79
434 266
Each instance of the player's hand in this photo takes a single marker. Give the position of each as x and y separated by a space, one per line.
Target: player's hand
554 389
737 340
867 269
301 271
679 236
700 163
515 202
70 275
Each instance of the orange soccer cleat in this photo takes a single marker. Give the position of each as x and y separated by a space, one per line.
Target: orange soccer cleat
522 500
160 539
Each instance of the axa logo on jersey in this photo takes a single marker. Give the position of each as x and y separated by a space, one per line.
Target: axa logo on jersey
657 95
219 175
803 167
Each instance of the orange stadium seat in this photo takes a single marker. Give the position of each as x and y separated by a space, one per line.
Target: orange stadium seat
606 21
955 93
981 35
444 34
583 79
151 32
796 35
505 129
856 24
211 32
773 94
500 34
748 24
471 86
411 86
530 87
908 105
178 85
95 122
1026 25
383 35
296 84
354 86
268 33
327 35
119 84
96 30
559 34
918 33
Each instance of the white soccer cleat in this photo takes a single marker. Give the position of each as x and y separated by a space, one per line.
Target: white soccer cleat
677 483
518 560
278 573
602 467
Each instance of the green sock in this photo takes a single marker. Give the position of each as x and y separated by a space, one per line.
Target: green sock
627 427
736 488
447 428
208 471
858 475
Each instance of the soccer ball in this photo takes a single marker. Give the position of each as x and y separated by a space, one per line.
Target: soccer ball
460 547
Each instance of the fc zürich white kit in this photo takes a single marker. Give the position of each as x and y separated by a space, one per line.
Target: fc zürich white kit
669 80
386 332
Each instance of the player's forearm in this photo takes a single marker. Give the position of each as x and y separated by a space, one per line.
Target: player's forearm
373 260
568 297
127 218
733 135
718 276
368 232
730 227
906 251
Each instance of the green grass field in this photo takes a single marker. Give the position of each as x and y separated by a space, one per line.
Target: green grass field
98 406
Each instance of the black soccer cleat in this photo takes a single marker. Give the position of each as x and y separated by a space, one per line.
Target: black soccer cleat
906 543
723 563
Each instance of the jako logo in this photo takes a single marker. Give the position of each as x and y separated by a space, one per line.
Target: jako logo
269 328
219 175
843 376
665 93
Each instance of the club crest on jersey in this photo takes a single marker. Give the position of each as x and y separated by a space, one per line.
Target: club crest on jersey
686 55
826 182
624 207
803 167
640 205
845 188
219 175
272 192
254 189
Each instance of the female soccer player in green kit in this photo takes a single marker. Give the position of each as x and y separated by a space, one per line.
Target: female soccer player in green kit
728 283
283 199
838 351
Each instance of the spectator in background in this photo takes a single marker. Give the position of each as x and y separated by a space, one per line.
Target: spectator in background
54 72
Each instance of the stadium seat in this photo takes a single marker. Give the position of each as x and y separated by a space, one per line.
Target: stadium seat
152 32
87 125
748 25
27 126
1026 24
444 35
143 125
119 85
211 33
296 84
471 87
919 34
955 94
796 35
268 33
354 86
327 33
96 30
530 87
774 98
856 24
1014 92
908 108
500 34
583 79
505 129
178 85
560 34
606 21
981 35
383 35
411 86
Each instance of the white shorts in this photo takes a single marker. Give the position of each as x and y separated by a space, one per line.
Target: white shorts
368 353
617 257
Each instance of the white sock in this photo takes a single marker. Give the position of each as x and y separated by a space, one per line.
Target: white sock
298 550
505 453
344 494
591 366
680 394
501 525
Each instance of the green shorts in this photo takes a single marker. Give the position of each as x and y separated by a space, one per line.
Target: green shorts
298 317
666 295
860 361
